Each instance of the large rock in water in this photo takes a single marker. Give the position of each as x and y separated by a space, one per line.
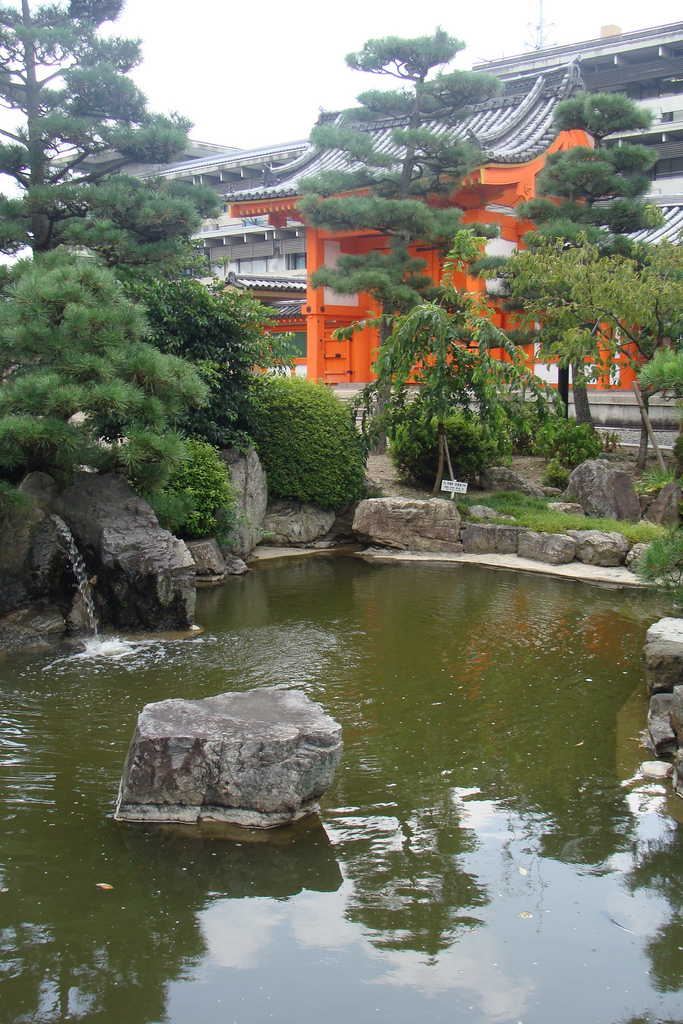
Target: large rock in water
145 577
663 655
257 759
250 485
295 523
603 491
409 524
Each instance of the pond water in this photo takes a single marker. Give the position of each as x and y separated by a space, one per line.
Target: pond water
485 854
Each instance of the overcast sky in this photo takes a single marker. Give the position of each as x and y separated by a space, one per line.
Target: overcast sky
252 73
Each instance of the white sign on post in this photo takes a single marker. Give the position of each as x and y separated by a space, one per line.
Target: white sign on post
454 486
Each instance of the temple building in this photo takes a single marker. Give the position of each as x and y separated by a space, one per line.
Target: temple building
260 242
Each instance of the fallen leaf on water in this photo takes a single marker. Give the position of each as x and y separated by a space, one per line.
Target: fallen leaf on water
525 913
103 885
523 871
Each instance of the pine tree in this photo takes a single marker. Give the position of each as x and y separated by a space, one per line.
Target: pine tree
401 152
595 191
81 387
82 121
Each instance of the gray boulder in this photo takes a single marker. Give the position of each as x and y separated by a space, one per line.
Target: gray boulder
500 478
485 538
34 564
659 724
249 482
664 509
34 629
595 547
257 759
674 710
235 566
409 524
207 558
145 575
570 508
603 491
678 772
295 523
553 548
663 661
669 628
634 555
485 512
342 527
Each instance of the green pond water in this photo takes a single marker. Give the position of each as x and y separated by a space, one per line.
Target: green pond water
485 854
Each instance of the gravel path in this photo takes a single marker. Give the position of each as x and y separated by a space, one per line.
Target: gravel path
665 438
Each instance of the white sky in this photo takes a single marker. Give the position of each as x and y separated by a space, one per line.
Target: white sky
255 72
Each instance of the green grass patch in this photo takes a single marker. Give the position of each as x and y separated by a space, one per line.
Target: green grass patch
535 514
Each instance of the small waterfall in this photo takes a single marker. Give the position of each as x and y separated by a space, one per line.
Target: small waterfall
78 566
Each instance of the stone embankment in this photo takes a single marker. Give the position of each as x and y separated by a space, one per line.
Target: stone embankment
402 526
663 660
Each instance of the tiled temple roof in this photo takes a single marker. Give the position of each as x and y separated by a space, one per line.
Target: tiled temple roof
270 282
512 128
672 229
284 310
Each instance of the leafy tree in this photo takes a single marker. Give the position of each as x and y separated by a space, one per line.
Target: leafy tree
605 306
81 387
594 192
221 332
82 121
446 350
400 150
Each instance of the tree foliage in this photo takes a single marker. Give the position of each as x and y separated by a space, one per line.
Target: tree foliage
594 191
81 122
607 307
221 332
401 150
81 386
446 349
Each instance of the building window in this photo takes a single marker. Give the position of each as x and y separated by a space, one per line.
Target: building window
669 168
296 260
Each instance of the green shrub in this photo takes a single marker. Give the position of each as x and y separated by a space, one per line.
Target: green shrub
654 479
567 441
415 445
308 444
198 499
524 424
662 564
555 475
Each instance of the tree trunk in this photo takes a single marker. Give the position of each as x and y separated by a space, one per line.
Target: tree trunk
642 447
442 447
380 447
563 388
582 407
